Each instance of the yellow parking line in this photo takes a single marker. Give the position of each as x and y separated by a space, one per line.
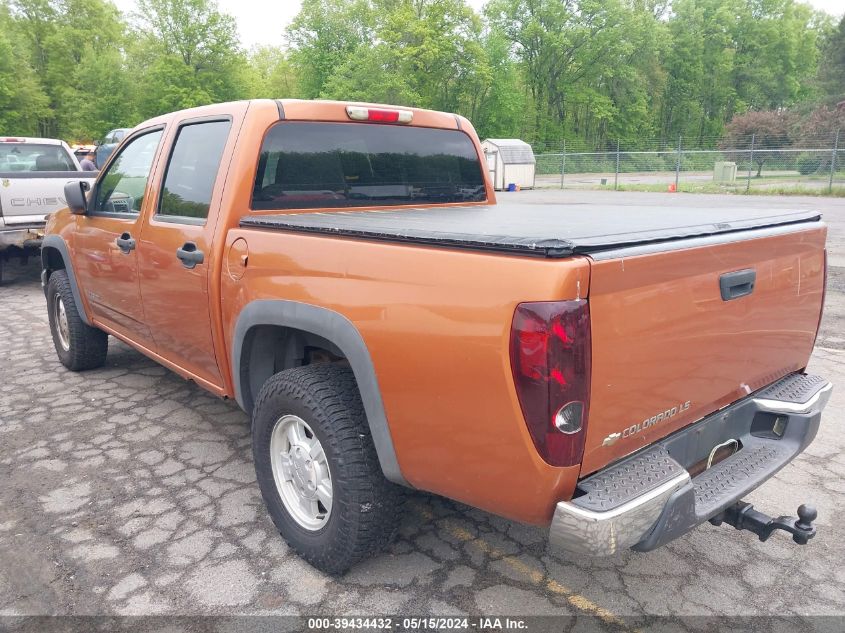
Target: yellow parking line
582 603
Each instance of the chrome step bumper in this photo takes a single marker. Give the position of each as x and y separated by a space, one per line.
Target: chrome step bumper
649 498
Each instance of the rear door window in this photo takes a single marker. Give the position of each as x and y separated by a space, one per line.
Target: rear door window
192 170
306 165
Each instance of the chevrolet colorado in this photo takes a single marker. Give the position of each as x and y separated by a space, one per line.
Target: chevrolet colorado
343 271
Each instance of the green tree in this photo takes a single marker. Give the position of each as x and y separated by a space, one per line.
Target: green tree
582 63
187 54
99 97
271 74
585 70
324 35
776 54
353 79
23 103
425 53
832 71
71 46
87 77
194 30
501 107
729 57
436 44
699 65
33 24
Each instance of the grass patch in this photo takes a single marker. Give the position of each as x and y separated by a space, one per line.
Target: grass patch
738 189
836 192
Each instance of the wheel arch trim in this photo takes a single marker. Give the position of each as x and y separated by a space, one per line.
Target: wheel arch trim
57 243
336 328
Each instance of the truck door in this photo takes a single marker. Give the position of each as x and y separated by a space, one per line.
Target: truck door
175 248
106 239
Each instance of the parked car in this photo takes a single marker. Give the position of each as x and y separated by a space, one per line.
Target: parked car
344 273
108 145
33 172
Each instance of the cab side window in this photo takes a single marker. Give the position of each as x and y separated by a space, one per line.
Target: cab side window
121 189
192 170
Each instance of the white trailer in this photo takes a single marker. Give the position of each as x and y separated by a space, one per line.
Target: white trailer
510 161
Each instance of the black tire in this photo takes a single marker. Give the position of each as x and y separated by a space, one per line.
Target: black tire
366 508
86 346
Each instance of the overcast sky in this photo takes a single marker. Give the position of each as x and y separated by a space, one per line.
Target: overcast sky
262 22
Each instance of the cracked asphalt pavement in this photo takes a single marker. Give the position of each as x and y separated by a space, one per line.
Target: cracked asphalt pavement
127 490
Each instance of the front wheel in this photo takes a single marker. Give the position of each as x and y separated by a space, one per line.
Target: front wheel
79 346
318 470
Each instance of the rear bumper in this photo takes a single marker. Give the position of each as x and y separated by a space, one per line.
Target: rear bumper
650 498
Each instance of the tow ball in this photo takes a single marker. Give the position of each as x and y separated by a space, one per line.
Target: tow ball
743 516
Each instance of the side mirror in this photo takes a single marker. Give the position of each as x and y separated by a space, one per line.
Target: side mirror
75 197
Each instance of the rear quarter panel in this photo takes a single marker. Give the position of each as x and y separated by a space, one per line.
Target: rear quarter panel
437 326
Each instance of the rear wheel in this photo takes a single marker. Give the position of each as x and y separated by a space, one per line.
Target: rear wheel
318 469
79 346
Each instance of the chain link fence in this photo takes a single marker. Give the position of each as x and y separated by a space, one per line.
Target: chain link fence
712 165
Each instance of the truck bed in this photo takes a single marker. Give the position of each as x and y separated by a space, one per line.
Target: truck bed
550 230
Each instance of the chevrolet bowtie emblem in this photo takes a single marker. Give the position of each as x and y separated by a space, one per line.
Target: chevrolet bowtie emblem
611 439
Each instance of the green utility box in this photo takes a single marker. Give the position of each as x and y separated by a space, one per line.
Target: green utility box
724 171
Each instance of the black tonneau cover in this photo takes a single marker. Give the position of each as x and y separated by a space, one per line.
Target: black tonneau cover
549 230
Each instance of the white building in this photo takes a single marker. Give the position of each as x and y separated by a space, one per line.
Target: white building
510 161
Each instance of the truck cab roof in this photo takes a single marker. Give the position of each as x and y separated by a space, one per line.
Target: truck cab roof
32 139
319 110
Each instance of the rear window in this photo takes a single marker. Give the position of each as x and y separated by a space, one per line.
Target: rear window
306 165
34 157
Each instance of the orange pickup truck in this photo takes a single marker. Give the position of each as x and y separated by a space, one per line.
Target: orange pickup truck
343 271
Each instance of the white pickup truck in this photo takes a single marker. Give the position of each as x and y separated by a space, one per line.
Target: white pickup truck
33 173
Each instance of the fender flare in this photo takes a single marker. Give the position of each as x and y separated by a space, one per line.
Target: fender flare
333 327
56 242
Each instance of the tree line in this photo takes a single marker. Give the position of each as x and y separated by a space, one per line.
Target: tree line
542 70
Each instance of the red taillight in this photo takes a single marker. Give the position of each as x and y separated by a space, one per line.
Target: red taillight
376 115
11 140
550 359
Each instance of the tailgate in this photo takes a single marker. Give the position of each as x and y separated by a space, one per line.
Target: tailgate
668 349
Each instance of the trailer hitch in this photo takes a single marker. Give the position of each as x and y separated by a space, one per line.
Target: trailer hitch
743 516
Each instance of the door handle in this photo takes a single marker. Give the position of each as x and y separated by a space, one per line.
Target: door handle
190 255
125 243
737 284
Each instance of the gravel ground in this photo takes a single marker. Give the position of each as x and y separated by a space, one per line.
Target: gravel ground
127 490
